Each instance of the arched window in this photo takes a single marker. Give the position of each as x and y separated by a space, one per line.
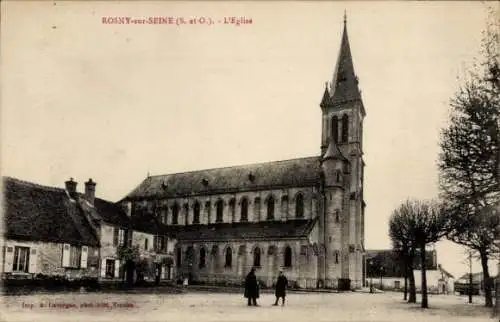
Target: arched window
336 257
202 258
175 214
179 257
229 257
345 128
220 208
244 210
256 257
270 208
196 215
337 216
299 206
335 129
288 257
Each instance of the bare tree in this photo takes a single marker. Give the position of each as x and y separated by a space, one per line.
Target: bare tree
425 222
401 237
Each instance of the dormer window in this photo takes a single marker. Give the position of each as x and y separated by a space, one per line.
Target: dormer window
164 185
204 182
251 177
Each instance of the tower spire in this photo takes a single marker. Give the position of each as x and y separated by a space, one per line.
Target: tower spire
344 86
333 151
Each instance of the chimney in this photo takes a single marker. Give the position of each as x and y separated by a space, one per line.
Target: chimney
90 191
71 188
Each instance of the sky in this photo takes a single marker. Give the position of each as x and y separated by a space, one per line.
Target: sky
116 102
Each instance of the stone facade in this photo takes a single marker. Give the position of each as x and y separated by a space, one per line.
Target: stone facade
47 258
303 216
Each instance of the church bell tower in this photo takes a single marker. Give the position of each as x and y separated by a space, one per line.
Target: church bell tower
342 163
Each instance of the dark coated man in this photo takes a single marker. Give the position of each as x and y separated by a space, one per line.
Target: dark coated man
281 285
251 288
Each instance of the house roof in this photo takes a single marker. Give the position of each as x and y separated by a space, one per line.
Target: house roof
146 223
476 277
243 231
445 271
111 212
392 264
40 213
294 172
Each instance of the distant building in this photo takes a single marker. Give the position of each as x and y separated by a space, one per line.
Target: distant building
462 285
385 270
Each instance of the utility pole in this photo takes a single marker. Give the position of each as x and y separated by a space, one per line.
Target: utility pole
470 276
496 308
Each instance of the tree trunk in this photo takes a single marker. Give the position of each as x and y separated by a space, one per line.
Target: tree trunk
406 288
405 261
486 279
411 280
424 277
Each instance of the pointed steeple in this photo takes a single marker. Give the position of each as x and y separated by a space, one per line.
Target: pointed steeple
344 86
325 101
333 152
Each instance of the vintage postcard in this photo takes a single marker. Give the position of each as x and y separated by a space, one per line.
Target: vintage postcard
249 161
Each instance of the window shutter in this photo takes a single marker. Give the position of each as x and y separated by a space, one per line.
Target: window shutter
129 238
117 268
103 268
65 255
83 259
9 259
115 236
32 260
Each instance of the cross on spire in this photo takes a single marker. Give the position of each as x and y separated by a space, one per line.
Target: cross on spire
345 17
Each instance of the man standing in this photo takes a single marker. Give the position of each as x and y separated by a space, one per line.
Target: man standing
251 288
281 286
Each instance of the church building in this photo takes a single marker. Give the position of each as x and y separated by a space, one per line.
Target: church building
303 216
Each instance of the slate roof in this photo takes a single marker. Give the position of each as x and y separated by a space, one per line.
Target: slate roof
476 278
146 223
39 213
287 173
392 264
111 212
445 272
344 85
300 228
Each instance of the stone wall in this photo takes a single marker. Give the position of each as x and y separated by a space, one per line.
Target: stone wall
284 201
46 258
